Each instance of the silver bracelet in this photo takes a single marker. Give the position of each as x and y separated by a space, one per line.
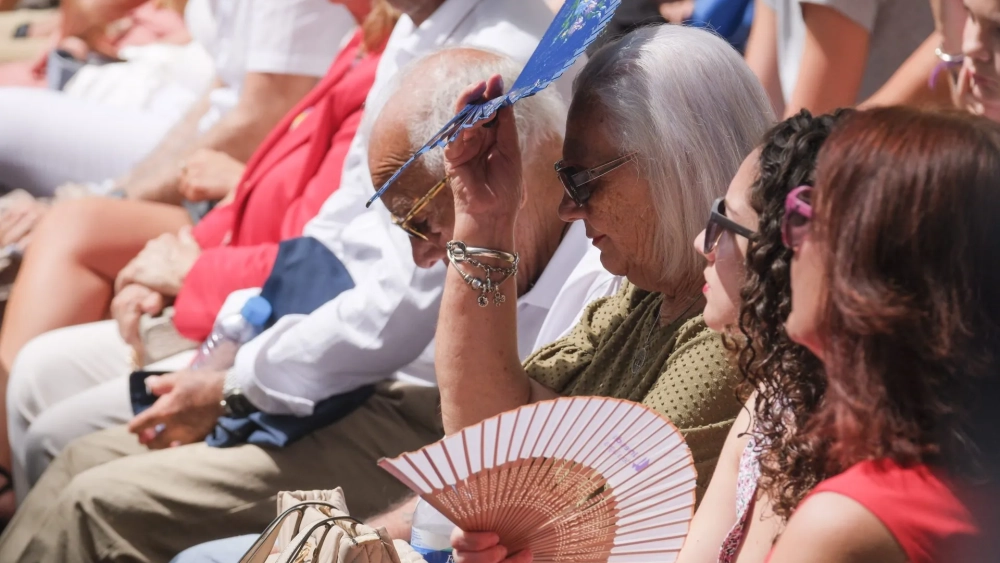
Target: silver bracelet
459 253
948 58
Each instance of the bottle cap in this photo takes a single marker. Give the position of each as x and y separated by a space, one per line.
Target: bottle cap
256 311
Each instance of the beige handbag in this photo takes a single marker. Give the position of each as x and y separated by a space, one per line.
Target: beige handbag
160 338
314 527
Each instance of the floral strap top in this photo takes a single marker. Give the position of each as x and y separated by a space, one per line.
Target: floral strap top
746 491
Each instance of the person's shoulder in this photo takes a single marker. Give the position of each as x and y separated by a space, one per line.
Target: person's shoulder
832 528
695 334
511 27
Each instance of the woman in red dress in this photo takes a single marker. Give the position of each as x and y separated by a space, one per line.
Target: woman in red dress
896 289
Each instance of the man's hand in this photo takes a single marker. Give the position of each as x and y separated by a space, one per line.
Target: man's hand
163 263
188 407
129 305
210 175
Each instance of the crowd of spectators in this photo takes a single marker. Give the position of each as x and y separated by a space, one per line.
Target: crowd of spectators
825 342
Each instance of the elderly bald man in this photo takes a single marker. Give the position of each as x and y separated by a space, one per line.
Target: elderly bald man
108 498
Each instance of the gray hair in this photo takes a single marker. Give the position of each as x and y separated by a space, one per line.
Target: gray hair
540 119
685 102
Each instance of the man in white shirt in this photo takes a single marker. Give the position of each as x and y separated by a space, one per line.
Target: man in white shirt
378 327
228 491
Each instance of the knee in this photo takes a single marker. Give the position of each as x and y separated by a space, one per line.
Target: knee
24 386
97 494
68 228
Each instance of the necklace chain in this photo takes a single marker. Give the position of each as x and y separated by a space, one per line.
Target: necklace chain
639 360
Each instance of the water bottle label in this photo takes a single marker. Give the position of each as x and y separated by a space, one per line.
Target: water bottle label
434 556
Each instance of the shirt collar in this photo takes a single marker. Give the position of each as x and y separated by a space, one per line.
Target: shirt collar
571 250
439 27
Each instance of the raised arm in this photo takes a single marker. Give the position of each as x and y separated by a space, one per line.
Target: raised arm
762 53
909 85
478 369
834 57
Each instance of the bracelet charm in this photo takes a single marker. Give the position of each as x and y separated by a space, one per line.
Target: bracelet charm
460 253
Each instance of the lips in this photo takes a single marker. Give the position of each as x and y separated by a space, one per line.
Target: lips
597 239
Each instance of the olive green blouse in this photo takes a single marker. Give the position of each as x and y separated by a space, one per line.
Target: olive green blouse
682 371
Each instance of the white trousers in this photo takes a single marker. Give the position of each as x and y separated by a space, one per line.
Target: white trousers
48 138
65 384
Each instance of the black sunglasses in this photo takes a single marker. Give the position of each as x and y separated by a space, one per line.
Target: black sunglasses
718 222
575 181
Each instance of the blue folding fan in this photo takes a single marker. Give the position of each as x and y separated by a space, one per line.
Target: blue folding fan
575 27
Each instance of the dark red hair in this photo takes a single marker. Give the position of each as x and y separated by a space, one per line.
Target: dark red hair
907 207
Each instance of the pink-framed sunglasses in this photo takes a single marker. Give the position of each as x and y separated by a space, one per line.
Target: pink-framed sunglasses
798 215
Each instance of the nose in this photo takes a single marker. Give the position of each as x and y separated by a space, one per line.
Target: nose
426 254
569 211
699 245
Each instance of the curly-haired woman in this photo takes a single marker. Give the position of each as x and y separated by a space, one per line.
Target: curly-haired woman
748 297
895 288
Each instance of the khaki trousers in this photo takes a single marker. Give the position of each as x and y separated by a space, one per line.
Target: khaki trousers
25 48
106 498
65 384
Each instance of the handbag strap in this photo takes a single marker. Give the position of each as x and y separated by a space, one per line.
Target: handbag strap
328 524
261 548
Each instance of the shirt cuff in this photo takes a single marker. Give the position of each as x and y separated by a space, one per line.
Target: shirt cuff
270 401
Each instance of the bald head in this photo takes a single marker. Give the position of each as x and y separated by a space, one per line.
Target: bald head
421 101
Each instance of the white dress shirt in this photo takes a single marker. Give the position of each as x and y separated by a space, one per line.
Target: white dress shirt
299 37
387 320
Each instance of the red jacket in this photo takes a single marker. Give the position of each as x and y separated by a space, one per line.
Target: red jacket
287 180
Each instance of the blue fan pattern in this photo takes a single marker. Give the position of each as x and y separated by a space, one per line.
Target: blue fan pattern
575 27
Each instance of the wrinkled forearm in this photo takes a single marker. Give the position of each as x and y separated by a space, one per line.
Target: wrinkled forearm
478 370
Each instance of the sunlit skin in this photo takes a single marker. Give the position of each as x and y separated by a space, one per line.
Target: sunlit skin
725 272
809 281
538 227
979 80
620 210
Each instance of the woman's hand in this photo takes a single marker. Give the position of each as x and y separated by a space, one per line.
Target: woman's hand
964 100
484 547
210 175
163 263
484 161
19 219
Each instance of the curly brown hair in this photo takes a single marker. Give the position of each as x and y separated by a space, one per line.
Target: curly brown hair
907 214
788 379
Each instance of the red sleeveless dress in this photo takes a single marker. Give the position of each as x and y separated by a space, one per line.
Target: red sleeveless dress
932 518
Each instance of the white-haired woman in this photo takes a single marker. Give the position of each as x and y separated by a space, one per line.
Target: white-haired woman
658 125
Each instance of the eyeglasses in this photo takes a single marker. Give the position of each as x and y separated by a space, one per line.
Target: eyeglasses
798 217
404 222
575 181
719 223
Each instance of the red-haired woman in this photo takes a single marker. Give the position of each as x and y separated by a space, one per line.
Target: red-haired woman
895 287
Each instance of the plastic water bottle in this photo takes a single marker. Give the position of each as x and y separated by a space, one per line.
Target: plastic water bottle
431 535
218 352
